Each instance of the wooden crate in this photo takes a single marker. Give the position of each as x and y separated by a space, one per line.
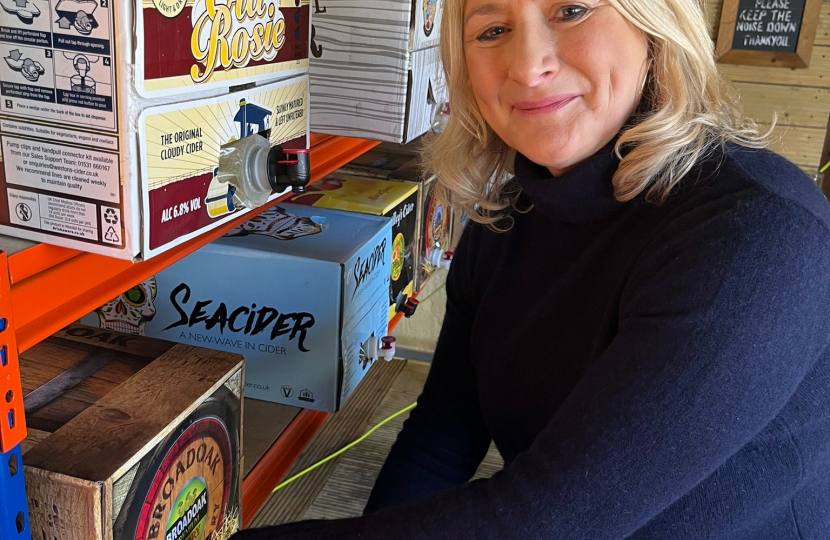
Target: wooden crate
131 438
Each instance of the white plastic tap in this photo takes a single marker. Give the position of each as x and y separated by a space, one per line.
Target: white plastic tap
446 260
371 348
387 349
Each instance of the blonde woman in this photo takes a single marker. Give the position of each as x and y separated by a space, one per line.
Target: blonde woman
639 320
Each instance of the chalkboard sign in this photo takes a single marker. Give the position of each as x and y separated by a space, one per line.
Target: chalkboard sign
768 32
768 25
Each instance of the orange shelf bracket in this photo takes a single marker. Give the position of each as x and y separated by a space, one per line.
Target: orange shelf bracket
12 417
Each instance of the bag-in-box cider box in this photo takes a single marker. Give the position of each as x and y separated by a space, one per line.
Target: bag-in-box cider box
113 113
380 198
298 290
375 69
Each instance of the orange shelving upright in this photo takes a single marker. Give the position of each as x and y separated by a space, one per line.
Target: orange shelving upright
43 288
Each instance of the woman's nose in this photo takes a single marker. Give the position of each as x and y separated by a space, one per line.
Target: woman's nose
533 58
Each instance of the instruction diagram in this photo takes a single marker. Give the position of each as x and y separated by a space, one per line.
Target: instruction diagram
58 62
25 10
80 73
77 14
26 74
30 69
82 26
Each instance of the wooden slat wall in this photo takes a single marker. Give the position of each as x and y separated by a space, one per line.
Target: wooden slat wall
801 97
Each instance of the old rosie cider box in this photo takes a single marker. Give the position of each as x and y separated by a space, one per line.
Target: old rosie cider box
297 290
113 113
381 198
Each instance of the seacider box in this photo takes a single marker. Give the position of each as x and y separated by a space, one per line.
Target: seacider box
113 113
131 437
380 198
434 229
298 290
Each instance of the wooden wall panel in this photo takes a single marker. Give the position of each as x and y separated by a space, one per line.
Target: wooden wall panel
801 97
802 146
801 106
823 31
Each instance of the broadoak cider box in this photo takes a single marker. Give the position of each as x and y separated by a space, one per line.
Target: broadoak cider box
380 198
113 113
134 438
297 290
375 68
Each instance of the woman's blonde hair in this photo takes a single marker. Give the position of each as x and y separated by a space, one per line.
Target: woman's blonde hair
689 111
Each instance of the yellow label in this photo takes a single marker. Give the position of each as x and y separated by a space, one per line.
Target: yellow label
169 8
376 197
398 250
184 143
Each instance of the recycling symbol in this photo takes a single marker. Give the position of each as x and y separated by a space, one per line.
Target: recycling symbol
110 216
112 236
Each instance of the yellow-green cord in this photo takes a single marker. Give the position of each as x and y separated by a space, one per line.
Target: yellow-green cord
344 449
824 169
438 288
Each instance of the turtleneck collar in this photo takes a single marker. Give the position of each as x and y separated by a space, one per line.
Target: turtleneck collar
582 195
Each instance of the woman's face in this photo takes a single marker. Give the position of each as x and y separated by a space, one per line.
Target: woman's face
556 80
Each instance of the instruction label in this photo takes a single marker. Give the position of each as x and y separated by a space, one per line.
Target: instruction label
52 133
53 214
58 61
59 189
62 169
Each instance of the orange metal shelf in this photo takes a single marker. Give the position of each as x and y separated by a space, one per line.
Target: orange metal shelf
277 461
52 287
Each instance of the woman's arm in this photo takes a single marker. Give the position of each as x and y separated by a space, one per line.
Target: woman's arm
718 326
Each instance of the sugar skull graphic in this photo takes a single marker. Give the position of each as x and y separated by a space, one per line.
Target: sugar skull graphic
277 223
130 311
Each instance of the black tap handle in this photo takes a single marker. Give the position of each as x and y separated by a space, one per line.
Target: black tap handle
288 169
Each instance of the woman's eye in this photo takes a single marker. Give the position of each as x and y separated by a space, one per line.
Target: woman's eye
571 13
491 33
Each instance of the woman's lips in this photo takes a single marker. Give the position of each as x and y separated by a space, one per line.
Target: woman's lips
547 105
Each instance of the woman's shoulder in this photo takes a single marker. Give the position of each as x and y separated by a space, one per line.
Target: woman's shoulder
745 215
775 178
751 190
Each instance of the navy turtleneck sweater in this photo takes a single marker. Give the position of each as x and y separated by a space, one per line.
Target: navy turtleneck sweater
647 372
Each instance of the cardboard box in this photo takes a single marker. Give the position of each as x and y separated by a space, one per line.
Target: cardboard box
378 198
375 68
377 163
297 290
109 107
131 437
435 222
434 228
